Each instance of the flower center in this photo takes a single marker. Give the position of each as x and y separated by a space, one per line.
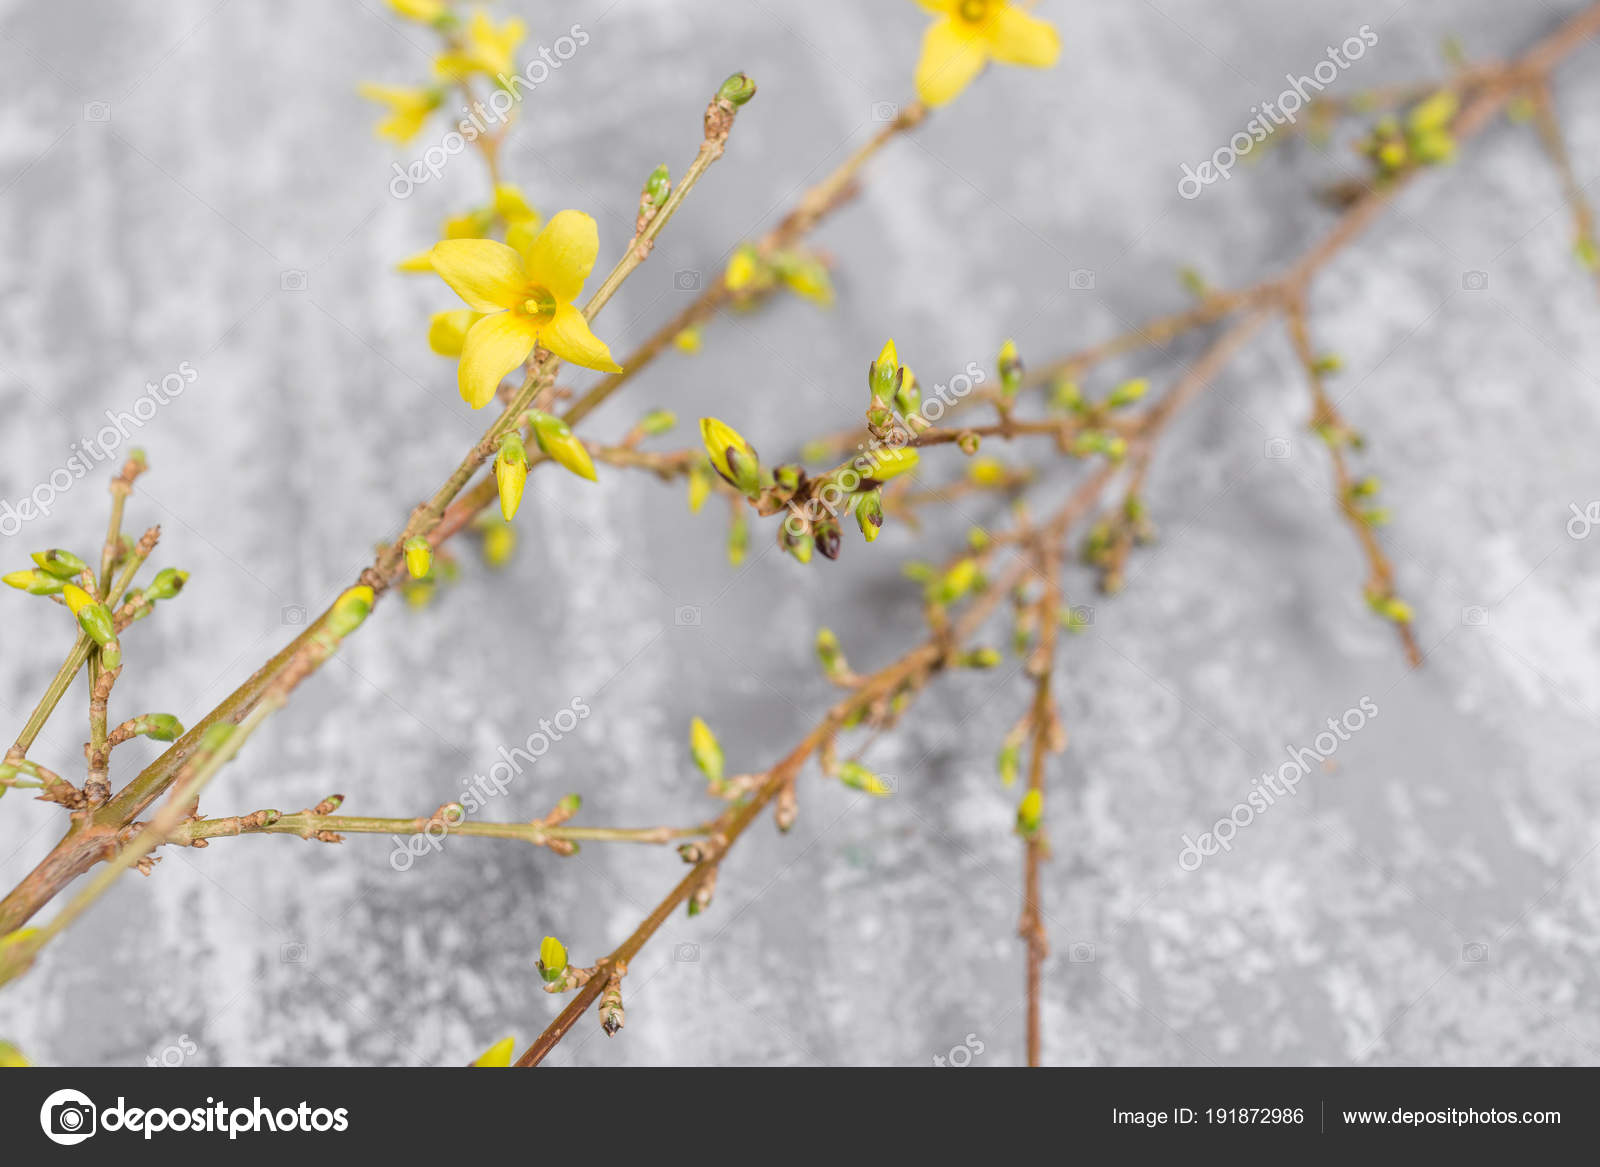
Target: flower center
540 306
974 11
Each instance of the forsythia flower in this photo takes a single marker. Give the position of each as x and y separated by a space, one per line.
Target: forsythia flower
425 11
971 32
408 109
528 300
484 49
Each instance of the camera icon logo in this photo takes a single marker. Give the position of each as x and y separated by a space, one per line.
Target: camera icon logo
1081 615
97 111
1081 279
294 952
1474 953
294 615
1475 616
293 280
687 616
686 280
686 953
885 111
1277 449
1474 281
1583 521
1081 954
68 1117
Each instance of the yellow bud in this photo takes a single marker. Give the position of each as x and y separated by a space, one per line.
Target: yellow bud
1030 812
731 456
349 610
706 751
891 463
699 488
511 205
987 472
497 1056
742 269
419 556
552 959
511 474
858 777
1436 113
499 543
77 599
688 341
11 1058
557 440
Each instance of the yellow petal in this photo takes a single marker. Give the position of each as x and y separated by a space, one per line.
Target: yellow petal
494 346
938 5
562 255
511 204
447 331
419 262
488 275
952 55
520 234
1019 38
568 336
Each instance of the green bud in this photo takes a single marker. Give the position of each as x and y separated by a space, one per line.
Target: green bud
1127 393
1067 396
61 564
706 751
349 611
160 727
1030 813
659 185
168 583
800 546
869 514
738 539
1010 368
1009 762
35 582
825 532
1435 113
216 736
737 90
658 422
830 653
858 777
884 375
419 556
1328 363
731 456
908 400
980 658
1588 254
95 619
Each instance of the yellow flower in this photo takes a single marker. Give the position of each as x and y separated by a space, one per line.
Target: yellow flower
968 34
425 11
484 49
527 299
408 109
497 1056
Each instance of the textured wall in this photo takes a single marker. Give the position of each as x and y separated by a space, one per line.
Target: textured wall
1343 926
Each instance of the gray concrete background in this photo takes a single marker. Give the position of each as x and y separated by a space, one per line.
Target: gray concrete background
1342 928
